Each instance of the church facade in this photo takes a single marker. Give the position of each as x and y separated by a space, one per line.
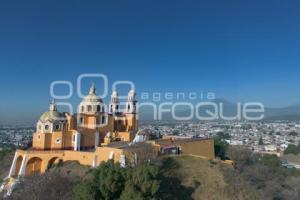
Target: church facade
90 127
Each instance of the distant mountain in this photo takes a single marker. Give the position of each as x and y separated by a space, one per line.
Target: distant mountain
229 109
286 113
291 117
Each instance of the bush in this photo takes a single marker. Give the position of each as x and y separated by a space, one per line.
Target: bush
51 185
292 149
221 147
266 175
110 181
3 153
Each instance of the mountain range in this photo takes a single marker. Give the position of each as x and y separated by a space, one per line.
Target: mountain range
291 112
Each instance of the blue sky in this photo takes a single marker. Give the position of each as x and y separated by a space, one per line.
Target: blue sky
240 50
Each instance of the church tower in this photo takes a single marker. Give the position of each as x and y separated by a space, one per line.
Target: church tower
114 105
131 112
131 103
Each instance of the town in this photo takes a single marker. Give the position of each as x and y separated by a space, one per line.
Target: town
271 137
263 137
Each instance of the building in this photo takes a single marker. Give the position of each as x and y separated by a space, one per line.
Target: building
88 128
93 135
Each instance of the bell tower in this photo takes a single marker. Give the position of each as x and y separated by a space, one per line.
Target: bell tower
131 103
114 105
131 112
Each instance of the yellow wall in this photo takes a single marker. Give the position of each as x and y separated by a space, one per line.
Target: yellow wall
204 148
125 130
38 161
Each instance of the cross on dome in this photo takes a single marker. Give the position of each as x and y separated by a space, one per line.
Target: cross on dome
53 106
92 89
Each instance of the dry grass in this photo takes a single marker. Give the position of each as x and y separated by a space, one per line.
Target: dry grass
208 181
292 158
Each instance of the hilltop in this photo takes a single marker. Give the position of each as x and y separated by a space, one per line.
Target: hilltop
183 177
195 178
252 177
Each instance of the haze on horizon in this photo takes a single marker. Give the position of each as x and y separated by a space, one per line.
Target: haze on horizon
240 50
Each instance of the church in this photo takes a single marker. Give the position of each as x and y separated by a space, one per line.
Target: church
91 127
95 134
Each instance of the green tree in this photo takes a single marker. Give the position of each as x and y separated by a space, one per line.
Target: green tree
270 160
3 153
293 133
223 135
292 149
260 142
110 181
221 147
143 180
175 132
130 192
85 191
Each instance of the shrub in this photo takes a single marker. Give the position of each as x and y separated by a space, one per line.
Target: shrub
110 181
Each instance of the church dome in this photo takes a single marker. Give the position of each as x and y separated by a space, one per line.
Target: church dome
92 96
52 114
91 103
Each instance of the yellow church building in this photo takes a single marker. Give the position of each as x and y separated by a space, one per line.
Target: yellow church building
92 135
90 127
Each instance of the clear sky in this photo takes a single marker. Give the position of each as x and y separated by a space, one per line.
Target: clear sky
241 50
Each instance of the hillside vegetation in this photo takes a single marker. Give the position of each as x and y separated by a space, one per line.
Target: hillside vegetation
176 177
182 177
195 178
6 158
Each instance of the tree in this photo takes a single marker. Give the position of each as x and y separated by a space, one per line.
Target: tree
292 149
223 135
3 153
221 147
51 185
142 182
85 191
110 181
293 133
270 160
260 142
266 174
175 132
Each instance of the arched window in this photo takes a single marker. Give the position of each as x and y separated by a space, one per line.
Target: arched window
128 107
98 108
57 127
117 107
111 108
103 120
82 108
46 127
89 108
81 120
